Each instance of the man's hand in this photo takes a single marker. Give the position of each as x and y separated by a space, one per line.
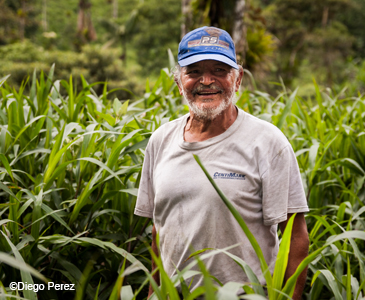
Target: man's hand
156 276
298 251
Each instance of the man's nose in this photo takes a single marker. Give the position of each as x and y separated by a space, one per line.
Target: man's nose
207 78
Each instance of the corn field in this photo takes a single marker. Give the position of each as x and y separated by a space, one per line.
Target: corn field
70 163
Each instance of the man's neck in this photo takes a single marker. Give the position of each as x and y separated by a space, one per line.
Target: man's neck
197 130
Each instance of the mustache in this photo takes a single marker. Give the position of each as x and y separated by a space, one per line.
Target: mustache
202 87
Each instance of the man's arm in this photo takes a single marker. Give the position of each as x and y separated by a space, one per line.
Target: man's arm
298 251
156 276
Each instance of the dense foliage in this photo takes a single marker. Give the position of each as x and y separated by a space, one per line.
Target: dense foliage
295 40
94 63
70 169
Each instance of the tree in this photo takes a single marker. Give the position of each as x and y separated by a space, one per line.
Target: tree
156 30
85 28
44 15
8 24
186 17
245 24
239 30
353 19
310 32
18 20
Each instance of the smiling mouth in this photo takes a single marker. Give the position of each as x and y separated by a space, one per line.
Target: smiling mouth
207 93
207 90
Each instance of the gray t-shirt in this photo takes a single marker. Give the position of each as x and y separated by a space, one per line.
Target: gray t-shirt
253 164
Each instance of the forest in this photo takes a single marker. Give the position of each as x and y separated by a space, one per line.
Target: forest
85 83
127 41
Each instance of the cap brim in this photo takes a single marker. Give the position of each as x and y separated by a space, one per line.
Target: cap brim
199 57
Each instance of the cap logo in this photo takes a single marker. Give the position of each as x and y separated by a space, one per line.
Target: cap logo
209 40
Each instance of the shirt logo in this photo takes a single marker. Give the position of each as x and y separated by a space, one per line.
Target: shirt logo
218 175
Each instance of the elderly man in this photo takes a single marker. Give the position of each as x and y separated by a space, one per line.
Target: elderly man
250 160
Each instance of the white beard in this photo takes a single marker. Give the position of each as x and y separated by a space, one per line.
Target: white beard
207 113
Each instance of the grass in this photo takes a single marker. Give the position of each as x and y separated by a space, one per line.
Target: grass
70 162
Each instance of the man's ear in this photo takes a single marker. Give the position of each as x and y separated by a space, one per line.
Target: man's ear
179 86
239 78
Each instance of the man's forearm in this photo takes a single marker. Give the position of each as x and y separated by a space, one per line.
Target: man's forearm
293 263
299 245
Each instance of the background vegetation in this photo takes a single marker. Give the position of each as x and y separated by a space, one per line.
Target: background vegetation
71 153
71 162
294 40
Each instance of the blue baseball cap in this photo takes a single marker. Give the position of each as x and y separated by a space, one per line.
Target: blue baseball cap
207 43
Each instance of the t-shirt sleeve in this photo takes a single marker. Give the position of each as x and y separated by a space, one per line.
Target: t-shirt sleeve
282 188
145 199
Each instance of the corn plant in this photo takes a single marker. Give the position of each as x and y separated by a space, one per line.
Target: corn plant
70 162
70 165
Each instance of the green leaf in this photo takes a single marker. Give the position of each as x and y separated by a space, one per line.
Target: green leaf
331 282
106 117
6 165
61 168
256 285
229 291
172 62
313 150
136 146
102 166
354 234
6 189
37 214
126 292
20 265
25 273
208 284
30 152
253 297
287 109
84 197
290 284
26 127
97 291
123 109
70 99
116 106
57 145
3 79
125 254
358 213
2 222
49 211
282 257
133 192
198 252
348 279
55 159
13 215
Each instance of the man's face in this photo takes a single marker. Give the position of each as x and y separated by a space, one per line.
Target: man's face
209 86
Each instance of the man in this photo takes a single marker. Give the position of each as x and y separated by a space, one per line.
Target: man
250 160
